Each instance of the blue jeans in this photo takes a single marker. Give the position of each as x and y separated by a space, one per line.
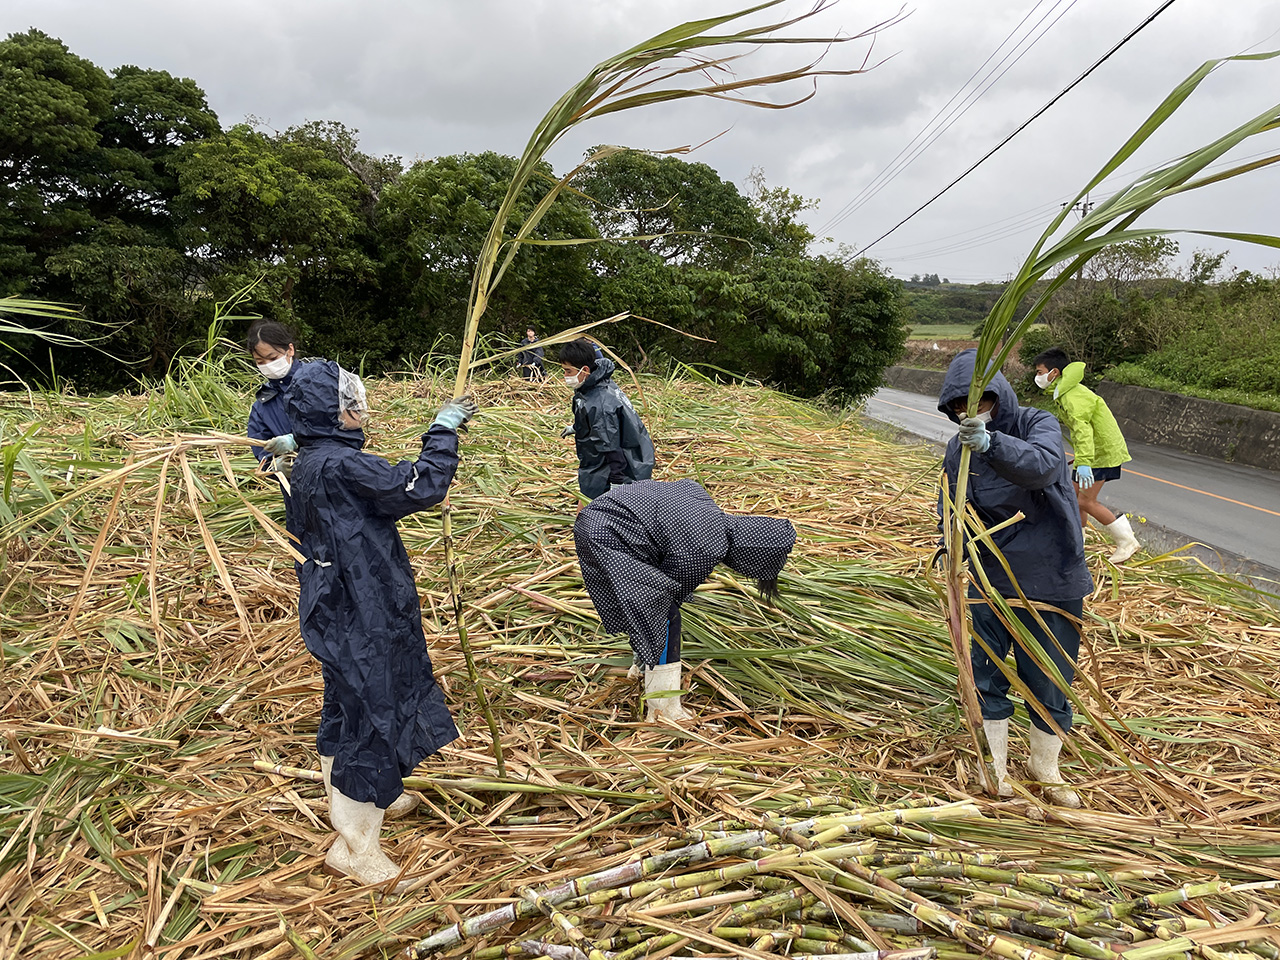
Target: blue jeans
671 652
993 686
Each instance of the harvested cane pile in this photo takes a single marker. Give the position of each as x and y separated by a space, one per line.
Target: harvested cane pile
158 791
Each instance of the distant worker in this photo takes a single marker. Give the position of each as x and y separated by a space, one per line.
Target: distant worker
1098 443
613 445
645 547
383 712
530 358
1018 464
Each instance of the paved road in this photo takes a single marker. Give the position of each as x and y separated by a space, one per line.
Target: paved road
1226 506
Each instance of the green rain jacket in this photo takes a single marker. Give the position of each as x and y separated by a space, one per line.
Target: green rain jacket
1095 435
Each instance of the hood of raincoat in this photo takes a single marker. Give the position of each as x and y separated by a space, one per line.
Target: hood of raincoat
956 385
312 405
1023 471
603 371
1072 374
759 546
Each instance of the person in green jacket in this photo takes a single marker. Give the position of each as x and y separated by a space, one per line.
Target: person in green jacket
1099 445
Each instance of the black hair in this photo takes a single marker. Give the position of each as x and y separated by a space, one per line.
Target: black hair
1055 358
270 332
580 353
768 589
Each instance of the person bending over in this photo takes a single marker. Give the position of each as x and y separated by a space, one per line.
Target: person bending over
645 547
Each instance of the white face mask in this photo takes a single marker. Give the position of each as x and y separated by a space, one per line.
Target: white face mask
277 368
984 416
1042 381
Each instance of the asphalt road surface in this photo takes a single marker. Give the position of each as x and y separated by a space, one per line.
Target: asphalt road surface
1229 508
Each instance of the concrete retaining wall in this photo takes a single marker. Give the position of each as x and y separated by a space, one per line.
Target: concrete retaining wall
1223 431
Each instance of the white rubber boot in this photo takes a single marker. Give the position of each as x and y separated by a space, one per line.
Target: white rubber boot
401 806
357 852
1122 533
660 681
997 732
326 767
1045 748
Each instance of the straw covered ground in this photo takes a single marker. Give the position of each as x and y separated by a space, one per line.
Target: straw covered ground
158 777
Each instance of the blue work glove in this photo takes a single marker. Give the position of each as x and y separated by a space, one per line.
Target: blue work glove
973 434
281 445
1084 476
456 412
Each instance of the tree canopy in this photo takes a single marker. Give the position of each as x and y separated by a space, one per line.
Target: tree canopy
124 195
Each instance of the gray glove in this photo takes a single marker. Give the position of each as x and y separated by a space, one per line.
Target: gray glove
281 445
567 431
283 465
973 434
456 412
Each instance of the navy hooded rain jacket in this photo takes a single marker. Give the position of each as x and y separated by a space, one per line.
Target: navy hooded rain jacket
268 420
612 442
383 712
1024 469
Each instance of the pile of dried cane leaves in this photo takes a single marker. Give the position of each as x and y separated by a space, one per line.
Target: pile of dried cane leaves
158 792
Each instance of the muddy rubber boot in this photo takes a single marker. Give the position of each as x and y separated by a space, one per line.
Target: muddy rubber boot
1045 748
326 768
997 732
662 693
402 806
357 853
1126 543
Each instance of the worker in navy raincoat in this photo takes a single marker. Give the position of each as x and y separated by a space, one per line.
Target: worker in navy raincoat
383 712
1018 464
644 547
275 355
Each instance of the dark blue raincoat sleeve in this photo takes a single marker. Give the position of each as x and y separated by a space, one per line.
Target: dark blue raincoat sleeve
1033 463
258 429
399 489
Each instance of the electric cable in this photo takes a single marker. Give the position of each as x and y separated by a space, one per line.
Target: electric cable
1022 126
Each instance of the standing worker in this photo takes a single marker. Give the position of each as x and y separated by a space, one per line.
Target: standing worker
613 445
272 348
1099 445
645 547
359 609
530 358
1018 464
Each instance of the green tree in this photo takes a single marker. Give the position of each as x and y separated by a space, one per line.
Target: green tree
431 223
690 214
278 207
85 168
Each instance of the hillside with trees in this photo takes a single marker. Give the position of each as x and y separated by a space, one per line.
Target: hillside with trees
124 195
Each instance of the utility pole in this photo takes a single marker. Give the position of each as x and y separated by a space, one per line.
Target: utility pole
1082 208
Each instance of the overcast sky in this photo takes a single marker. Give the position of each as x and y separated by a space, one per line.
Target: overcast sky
425 78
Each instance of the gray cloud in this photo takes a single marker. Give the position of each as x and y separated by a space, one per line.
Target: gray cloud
424 79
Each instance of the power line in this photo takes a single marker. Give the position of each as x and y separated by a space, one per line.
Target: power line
996 230
1022 126
949 117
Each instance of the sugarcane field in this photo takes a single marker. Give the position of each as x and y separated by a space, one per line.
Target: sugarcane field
498 556
162 794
